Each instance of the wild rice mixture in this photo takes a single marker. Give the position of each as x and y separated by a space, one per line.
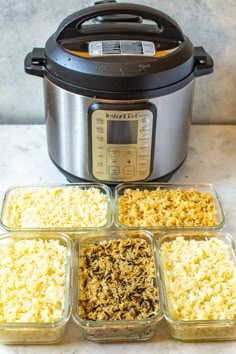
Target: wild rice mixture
163 207
117 281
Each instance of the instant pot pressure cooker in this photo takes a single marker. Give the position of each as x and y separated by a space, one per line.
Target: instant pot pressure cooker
118 85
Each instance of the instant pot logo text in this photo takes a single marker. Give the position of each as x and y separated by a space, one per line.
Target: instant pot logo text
125 115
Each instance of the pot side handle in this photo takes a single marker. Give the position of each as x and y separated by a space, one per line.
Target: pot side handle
34 63
203 62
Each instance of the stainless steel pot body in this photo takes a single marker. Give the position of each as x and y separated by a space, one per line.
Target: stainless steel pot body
70 143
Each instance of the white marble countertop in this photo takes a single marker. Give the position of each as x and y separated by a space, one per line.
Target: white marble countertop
211 159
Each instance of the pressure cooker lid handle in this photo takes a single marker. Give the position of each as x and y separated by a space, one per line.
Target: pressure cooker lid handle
166 25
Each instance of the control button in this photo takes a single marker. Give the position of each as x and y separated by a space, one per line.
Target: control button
144 146
100 120
100 151
99 129
143 162
143 151
144 154
101 156
143 173
100 164
114 152
144 141
113 161
100 138
130 162
145 128
145 120
113 170
129 170
130 152
99 172
144 136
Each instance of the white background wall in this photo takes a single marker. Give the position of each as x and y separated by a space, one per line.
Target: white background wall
26 24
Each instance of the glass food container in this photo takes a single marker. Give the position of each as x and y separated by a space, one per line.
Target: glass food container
35 294
67 208
107 289
159 207
198 284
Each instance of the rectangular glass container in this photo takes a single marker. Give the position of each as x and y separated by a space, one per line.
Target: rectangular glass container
203 300
25 332
115 330
150 208
43 213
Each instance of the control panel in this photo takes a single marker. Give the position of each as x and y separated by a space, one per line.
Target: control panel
122 142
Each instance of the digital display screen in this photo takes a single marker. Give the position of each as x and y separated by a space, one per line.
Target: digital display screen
122 132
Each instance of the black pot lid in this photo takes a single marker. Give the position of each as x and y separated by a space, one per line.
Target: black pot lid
118 49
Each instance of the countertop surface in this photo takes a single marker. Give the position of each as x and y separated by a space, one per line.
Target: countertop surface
211 159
